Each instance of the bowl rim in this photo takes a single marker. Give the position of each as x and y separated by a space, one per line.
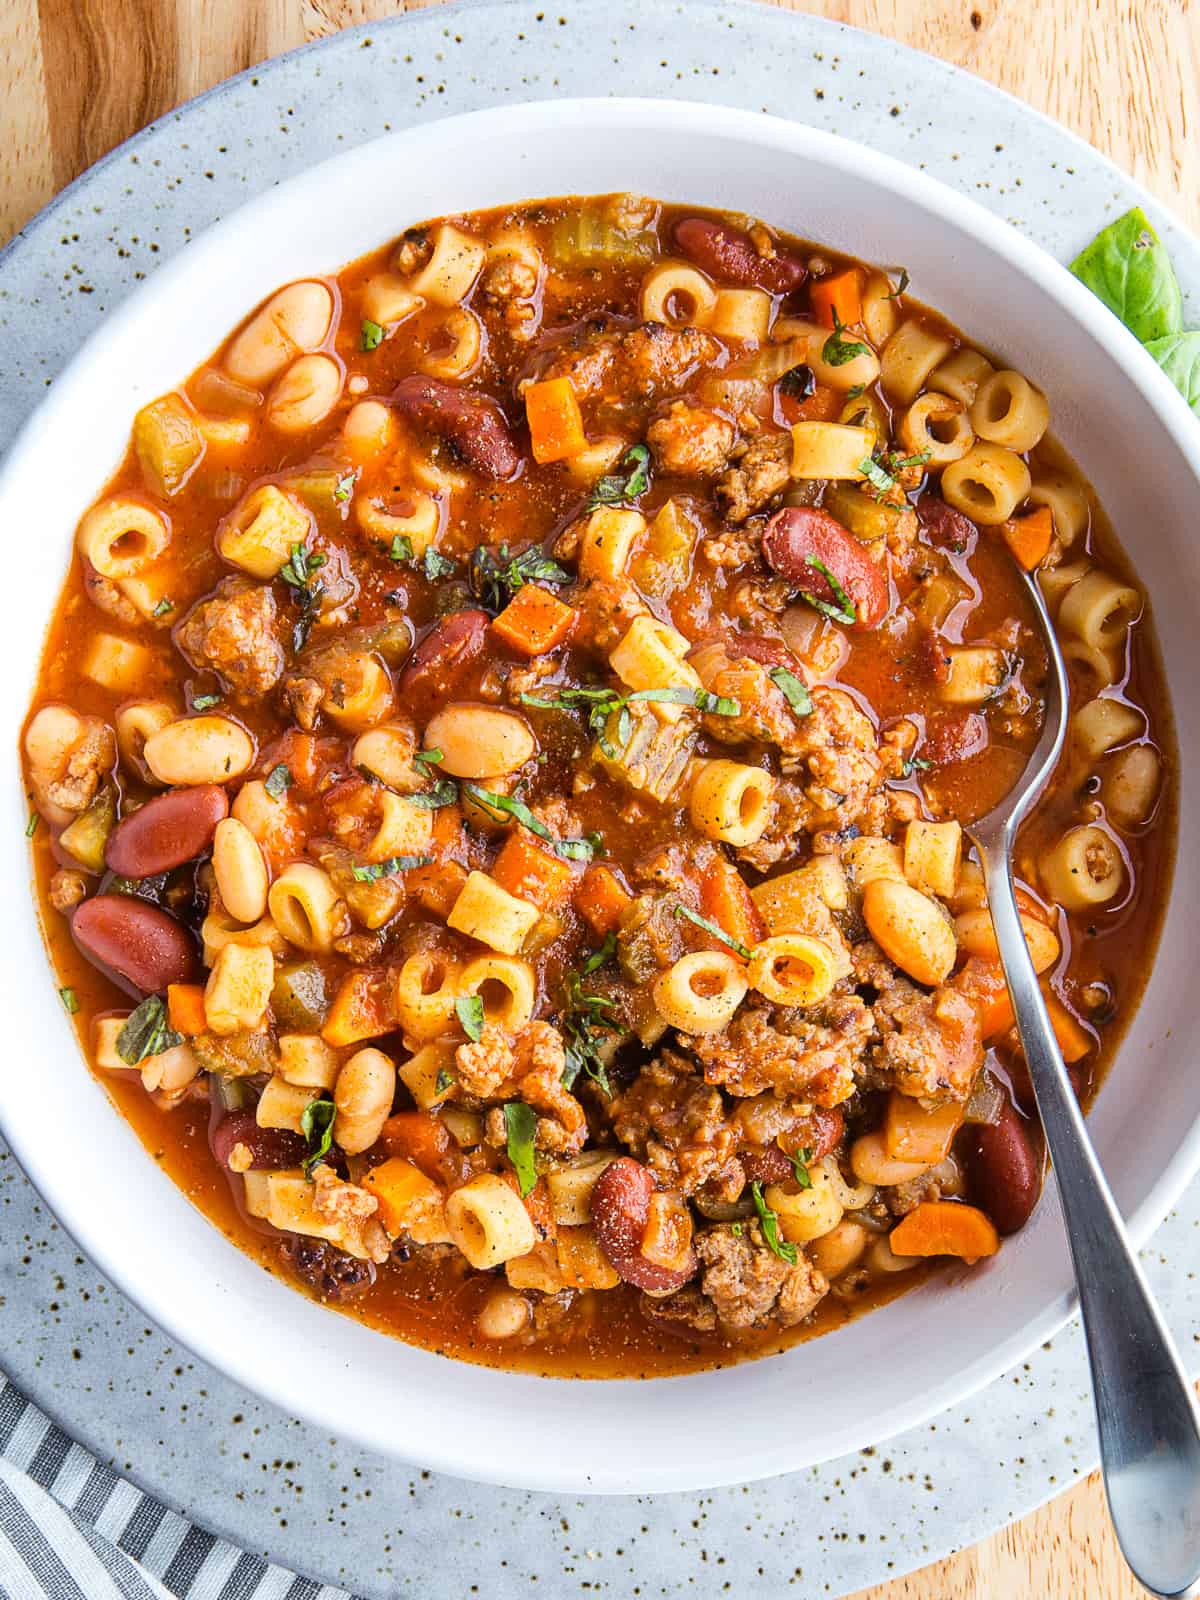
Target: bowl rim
753 128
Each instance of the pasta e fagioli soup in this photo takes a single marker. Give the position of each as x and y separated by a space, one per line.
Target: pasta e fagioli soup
498 772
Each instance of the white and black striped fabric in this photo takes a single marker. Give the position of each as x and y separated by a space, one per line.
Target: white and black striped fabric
73 1529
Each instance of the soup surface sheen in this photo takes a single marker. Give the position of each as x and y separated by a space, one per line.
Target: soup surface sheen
498 768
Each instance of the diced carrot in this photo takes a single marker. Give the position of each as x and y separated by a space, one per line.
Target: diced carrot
185 1008
534 621
837 299
1074 1041
1029 537
945 1228
531 873
823 405
601 900
555 422
913 1132
420 1138
983 982
725 900
299 753
363 1009
437 887
448 831
409 1200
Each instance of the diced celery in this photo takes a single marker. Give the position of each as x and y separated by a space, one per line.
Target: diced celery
86 837
241 1055
652 757
865 517
586 238
168 443
299 998
664 562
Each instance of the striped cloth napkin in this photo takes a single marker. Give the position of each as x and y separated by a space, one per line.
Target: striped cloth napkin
72 1529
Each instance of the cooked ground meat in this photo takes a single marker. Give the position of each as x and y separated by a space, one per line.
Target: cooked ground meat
103 592
760 472
749 1286
90 760
234 633
67 889
675 1122
764 715
846 767
929 1044
645 362
793 1055
509 278
606 609
529 1066
303 696
691 440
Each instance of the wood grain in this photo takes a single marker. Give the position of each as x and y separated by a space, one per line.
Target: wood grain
81 75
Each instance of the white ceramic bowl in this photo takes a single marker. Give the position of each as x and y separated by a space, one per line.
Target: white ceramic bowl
1139 445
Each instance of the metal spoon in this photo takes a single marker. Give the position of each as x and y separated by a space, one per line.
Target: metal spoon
1145 1412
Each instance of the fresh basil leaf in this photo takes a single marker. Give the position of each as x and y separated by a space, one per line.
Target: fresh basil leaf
371 336
879 479
800 1162
316 1124
429 757
837 351
799 382
616 489
521 1124
146 1032
915 764
372 871
769 1223
278 781
585 849
714 929
794 692
905 280
1178 354
443 793
1127 267
469 1010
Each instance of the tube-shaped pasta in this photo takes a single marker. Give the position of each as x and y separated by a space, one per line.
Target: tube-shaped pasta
1055 581
731 802
1097 667
811 341
428 1074
260 532
932 856
830 450
426 989
936 426
880 314
404 829
908 358
239 988
975 674
987 484
808 1213
1099 610
137 722
700 992
307 1061
741 314
571 1186
449 275
961 374
412 514
459 346
1068 502
121 536
489 1223
868 857
283 1104
650 656
1098 727
793 969
678 296
1131 783
388 300
608 540
307 909
1008 410
1083 870
363 694
506 985
486 912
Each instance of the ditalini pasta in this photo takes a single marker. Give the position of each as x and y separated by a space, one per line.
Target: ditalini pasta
499 774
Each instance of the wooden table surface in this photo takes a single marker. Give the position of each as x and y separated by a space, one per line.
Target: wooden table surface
1125 74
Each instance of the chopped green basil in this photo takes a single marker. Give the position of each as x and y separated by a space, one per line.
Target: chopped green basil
841 608
905 280
31 826
278 781
494 579
429 758
371 336
600 958
372 871
631 479
146 1032
769 1223
879 479
443 793
300 566
715 929
1127 267
401 548
70 1000
569 849
205 702
163 607
436 566
800 1168
344 487
798 382
521 1124
316 1124
444 1080
915 764
794 692
469 1010
837 351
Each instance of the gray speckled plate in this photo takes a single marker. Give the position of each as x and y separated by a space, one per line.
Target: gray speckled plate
86 1354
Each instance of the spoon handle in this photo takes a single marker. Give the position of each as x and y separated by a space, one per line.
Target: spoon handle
1145 1411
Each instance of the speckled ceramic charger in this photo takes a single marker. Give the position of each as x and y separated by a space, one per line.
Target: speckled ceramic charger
85 1353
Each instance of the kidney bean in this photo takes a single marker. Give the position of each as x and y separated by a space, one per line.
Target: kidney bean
620 1208
167 831
945 527
799 535
441 658
472 422
725 252
271 1148
820 1134
767 652
138 944
955 736
768 1165
1006 1175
